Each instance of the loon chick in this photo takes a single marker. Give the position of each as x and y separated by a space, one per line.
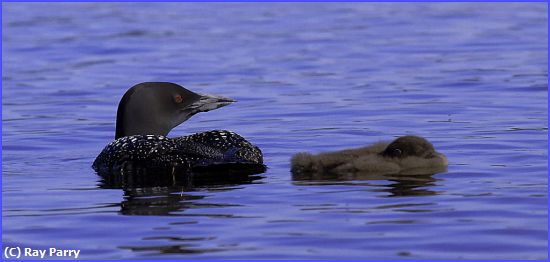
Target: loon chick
405 154
146 114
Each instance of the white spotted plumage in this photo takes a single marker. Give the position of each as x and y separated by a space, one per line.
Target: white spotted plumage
200 149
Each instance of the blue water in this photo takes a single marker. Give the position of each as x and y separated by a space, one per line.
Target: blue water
470 77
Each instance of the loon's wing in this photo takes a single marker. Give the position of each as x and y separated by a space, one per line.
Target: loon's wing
219 147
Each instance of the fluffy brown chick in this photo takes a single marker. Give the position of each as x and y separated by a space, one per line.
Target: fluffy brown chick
403 155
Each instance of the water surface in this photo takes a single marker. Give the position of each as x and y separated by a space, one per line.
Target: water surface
470 77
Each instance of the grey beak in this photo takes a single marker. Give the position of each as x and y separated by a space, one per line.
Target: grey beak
209 102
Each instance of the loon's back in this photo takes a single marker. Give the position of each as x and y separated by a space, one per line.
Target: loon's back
198 151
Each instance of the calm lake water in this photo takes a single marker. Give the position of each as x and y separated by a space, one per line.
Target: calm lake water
470 77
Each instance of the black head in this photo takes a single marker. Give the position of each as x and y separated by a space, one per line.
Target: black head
154 108
406 146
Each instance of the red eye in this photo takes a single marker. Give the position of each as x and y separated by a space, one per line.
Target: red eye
178 99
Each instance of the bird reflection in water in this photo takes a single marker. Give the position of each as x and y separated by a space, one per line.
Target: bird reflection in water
163 193
147 193
411 184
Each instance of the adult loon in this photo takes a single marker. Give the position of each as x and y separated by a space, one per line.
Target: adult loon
404 155
146 114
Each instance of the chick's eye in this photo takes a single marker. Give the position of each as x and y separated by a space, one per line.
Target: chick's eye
397 152
178 99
